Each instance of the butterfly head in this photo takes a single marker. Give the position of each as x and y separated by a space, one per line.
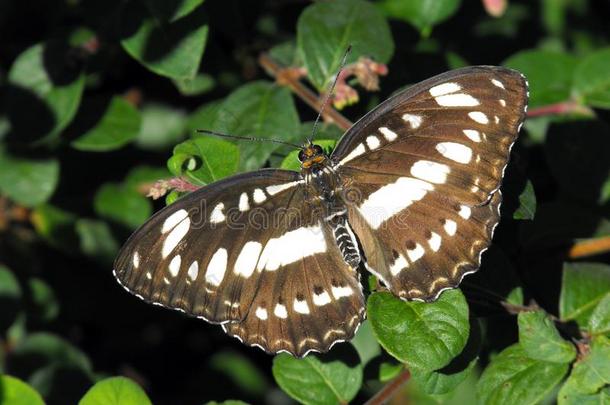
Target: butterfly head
312 155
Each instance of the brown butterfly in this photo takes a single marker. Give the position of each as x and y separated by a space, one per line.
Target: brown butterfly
411 192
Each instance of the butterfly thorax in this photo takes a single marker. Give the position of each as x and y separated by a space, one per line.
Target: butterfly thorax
325 186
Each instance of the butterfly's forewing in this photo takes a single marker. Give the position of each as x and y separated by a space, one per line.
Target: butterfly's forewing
249 251
424 169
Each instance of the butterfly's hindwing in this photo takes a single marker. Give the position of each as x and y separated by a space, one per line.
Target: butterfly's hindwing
426 166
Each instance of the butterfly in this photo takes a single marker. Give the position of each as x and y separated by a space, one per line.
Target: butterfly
411 193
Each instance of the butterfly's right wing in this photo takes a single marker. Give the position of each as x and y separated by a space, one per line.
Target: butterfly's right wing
251 251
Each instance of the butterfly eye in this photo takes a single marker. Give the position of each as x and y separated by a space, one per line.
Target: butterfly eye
318 149
301 156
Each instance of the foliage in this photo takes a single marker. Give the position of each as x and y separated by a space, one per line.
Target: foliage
101 103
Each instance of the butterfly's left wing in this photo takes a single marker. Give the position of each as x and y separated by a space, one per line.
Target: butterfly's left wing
422 173
250 252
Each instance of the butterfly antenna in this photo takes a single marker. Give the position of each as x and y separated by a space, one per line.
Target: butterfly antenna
248 138
329 93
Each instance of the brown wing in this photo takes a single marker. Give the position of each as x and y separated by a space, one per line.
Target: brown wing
427 161
240 246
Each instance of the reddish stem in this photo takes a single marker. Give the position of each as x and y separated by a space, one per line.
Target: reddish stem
564 107
390 389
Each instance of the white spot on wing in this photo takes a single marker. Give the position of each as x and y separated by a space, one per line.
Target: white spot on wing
261 313
444 88
399 264
457 100
465 211
217 216
373 142
174 265
301 306
278 188
430 171
175 236
136 259
393 198
497 83
246 261
388 134
502 102
193 270
291 247
173 220
450 227
455 151
472 134
217 267
357 151
415 254
435 242
259 196
243 202
479 117
413 120
322 299
280 311
340 292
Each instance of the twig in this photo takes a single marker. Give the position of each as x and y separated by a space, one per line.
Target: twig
288 78
565 107
388 390
590 248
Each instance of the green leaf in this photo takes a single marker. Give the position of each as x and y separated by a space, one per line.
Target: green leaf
28 181
599 322
514 378
440 382
44 300
200 84
338 24
55 226
260 109
204 117
171 11
583 286
331 378
204 160
365 343
162 127
592 79
422 14
426 336
540 339
96 239
118 126
389 370
171 48
242 372
10 298
43 83
115 391
13 391
291 161
568 396
549 75
141 177
527 203
123 205
515 296
41 349
592 372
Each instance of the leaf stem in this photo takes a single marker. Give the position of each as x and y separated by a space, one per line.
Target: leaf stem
388 390
289 77
564 107
589 247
